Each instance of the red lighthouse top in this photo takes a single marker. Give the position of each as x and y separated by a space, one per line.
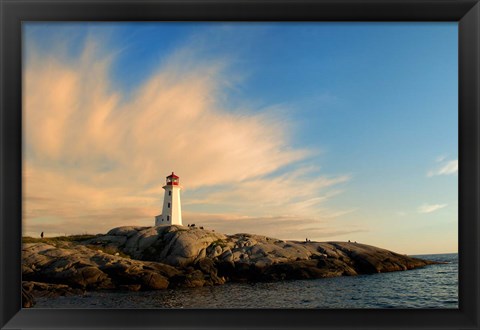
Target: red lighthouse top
173 180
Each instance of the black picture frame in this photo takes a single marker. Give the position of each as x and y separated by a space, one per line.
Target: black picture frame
14 12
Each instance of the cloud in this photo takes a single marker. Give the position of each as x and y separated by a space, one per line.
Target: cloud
73 120
447 167
290 193
441 158
429 208
94 159
282 227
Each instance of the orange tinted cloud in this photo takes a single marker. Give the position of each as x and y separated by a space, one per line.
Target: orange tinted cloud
95 159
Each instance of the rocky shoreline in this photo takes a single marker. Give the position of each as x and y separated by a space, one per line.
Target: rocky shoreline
156 258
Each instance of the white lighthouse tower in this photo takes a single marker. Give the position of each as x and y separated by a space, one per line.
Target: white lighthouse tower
172 208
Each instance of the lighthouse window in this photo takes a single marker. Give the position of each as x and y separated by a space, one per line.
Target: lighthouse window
168 218
169 193
168 205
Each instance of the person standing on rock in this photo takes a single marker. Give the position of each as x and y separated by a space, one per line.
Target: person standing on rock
41 235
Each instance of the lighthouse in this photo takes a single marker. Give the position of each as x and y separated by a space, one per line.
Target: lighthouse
172 208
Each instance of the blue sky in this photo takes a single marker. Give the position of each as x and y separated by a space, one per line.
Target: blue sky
346 130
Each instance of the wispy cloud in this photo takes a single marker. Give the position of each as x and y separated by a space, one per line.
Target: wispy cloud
445 167
94 160
429 208
290 193
283 227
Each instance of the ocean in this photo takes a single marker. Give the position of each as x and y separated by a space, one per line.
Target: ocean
434 286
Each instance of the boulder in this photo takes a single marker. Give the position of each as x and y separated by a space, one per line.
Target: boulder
126 231
191 279
151 280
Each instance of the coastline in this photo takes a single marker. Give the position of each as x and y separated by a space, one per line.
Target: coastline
169 257
418 288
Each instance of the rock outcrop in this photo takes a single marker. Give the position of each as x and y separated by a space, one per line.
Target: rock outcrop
78 267
259 257
153 258
173 245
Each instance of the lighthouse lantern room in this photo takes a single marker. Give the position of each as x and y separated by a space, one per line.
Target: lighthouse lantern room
172 208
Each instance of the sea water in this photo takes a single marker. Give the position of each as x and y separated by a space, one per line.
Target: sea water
434 286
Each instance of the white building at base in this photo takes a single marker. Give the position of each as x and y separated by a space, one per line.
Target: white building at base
172 208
